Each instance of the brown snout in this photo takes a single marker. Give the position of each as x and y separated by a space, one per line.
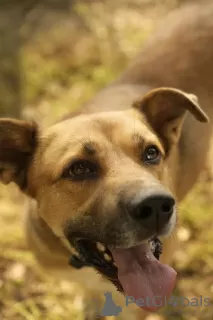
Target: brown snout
152 209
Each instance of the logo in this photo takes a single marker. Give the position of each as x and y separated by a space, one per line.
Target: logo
110 308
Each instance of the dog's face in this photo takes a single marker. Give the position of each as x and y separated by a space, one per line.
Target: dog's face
93 176
102 181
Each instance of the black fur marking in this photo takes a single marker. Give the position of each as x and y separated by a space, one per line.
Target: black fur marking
90 256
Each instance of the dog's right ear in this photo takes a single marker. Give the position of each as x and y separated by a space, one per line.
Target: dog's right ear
17 145
165 109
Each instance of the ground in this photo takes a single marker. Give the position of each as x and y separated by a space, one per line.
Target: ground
62 65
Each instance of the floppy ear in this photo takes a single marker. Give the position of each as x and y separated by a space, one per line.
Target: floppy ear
165 110
17 144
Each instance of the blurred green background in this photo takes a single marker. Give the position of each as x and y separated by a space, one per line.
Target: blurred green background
55 55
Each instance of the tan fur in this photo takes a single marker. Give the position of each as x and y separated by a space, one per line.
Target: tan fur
180 55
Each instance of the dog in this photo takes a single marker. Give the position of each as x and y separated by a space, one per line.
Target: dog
104 183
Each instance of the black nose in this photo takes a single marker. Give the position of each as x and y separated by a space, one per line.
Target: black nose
153 210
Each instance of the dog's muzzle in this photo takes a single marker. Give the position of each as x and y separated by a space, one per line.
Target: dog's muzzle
130 256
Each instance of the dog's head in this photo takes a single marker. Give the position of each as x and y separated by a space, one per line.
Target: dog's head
103 184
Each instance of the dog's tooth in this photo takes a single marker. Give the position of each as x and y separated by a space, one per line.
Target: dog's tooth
114 264
100 247
107 257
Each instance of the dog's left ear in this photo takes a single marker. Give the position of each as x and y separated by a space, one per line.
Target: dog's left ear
17 145
166 108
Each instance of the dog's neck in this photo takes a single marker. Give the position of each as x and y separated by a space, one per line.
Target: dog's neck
116 97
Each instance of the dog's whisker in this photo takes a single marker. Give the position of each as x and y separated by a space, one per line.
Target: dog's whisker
183 210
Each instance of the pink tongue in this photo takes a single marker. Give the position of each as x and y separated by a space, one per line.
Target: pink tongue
143 277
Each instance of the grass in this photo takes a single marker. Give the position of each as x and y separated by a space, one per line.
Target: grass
62 67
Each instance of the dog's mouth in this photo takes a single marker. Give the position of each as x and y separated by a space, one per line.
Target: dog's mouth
136 272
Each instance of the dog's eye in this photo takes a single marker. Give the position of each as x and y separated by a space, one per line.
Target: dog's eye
152 155
81 170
